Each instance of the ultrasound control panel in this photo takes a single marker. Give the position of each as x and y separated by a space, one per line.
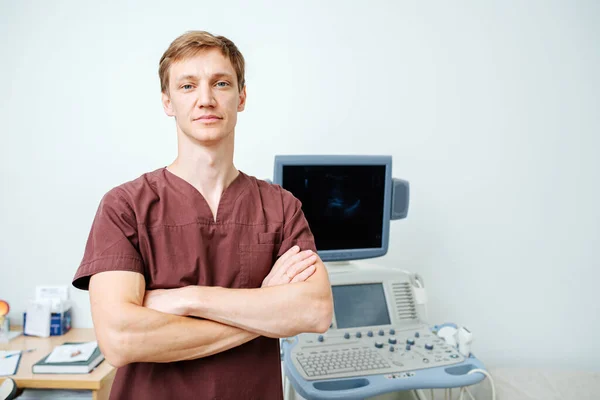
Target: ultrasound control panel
378 342
377 328
375 350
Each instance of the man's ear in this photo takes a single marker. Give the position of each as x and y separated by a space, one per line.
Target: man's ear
242 103
166 102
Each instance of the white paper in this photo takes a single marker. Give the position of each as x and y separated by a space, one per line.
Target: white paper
8 366
48 292
38 318
72 352
57 295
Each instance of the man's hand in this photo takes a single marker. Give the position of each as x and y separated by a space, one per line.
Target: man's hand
169 301
293 266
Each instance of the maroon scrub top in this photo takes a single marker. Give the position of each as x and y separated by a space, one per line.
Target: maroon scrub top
160 226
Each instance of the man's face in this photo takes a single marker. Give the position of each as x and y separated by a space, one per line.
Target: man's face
204 96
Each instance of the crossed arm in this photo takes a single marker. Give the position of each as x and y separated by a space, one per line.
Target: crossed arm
135 326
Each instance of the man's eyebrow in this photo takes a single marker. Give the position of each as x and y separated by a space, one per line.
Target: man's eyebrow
222 75
187 78
195 78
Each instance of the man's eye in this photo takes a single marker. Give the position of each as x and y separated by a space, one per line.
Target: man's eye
222 84
186 87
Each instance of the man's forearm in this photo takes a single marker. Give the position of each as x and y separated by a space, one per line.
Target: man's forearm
276 311
139 334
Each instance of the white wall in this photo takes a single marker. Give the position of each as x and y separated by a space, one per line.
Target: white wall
490 109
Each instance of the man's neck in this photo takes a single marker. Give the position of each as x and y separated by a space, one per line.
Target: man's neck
209 168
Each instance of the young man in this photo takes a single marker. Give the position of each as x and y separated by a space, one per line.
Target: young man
195 270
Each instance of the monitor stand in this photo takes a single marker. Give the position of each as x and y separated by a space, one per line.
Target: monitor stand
340 267
353 266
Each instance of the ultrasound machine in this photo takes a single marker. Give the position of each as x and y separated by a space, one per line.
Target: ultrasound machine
379 340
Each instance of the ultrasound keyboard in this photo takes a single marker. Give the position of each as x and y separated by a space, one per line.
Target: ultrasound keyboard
357 353
340 361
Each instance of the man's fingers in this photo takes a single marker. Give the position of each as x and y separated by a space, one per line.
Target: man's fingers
304 275
284 257
290 262
289 265
296 264
301 266
291 252
295 259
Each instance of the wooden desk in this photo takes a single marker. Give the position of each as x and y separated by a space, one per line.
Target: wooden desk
99 381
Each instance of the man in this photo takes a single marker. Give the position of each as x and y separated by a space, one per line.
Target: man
195 270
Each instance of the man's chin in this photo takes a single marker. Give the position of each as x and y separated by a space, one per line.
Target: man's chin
208 137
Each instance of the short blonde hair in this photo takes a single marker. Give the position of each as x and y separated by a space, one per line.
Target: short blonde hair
193 42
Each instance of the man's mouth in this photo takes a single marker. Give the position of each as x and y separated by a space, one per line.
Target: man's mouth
208 118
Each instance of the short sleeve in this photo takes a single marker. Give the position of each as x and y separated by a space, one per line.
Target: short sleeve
112 244
296 230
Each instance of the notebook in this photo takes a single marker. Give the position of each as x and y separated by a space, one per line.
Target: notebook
9 362
69 367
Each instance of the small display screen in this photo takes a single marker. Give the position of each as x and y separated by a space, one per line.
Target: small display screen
360 305
343 204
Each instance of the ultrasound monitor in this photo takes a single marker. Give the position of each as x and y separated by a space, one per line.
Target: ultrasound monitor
360 305
345 199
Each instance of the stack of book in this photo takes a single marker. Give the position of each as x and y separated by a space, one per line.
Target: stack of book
70 358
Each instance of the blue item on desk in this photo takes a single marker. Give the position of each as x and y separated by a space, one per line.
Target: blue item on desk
60 323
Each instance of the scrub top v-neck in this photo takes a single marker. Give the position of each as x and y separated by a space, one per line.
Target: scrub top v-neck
235 188
160 226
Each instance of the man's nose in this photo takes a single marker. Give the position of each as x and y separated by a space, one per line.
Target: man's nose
206 97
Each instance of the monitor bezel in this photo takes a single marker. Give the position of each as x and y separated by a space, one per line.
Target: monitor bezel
355 160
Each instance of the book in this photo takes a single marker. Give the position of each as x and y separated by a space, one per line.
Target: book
69 367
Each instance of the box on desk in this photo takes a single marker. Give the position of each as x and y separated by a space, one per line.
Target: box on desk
60 323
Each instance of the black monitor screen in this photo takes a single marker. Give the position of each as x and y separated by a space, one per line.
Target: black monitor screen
343 204
360 305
